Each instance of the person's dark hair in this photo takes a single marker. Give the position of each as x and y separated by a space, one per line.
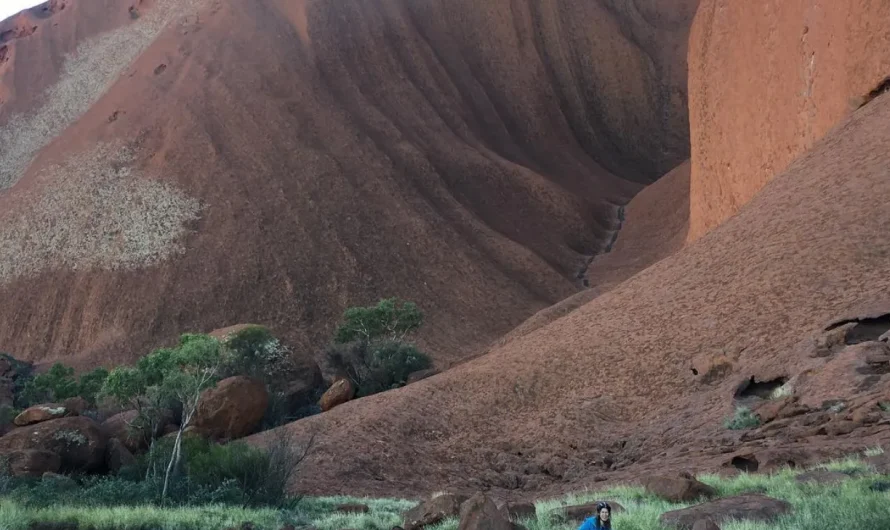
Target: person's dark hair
599 522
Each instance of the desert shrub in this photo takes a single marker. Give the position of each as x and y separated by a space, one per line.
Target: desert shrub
253 351
742 419
169 375
59 383
376 367
390 320
370 349
232 474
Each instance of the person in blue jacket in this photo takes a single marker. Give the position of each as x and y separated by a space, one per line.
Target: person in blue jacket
602 519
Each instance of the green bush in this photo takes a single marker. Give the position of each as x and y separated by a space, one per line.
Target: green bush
232 474
377 367
59 384
369 347
255 352
391 320
742 419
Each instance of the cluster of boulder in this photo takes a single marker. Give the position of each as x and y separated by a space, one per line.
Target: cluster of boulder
73 437
65 437
707 515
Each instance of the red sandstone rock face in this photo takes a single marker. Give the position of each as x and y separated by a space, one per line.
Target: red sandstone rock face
749 289
465 155
766 80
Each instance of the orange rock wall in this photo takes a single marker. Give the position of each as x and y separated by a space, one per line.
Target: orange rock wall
767 78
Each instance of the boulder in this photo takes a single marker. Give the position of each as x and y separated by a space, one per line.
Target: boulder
232 409
751 507
117 456
76 406
579 512
705 524
78 440
40 413
419 375
340 392
32 462
518 510
124 428
433 511
481 513
681 488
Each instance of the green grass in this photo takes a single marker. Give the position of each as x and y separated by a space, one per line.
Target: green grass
742 419
874 451
850 504
15 517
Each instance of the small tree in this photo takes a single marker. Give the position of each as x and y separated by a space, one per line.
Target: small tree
193 368
370 347
391 320
166 375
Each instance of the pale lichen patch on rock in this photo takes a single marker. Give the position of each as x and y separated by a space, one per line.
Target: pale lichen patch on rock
97 210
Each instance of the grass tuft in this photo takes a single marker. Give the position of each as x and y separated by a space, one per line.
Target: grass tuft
850 504
742 419
874 451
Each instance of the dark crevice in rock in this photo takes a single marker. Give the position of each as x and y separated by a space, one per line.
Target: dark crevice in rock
866 329
762 389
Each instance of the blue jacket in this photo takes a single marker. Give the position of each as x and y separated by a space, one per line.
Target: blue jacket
592 523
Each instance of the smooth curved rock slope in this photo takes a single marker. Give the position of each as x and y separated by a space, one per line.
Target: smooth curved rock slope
311 155
606 392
